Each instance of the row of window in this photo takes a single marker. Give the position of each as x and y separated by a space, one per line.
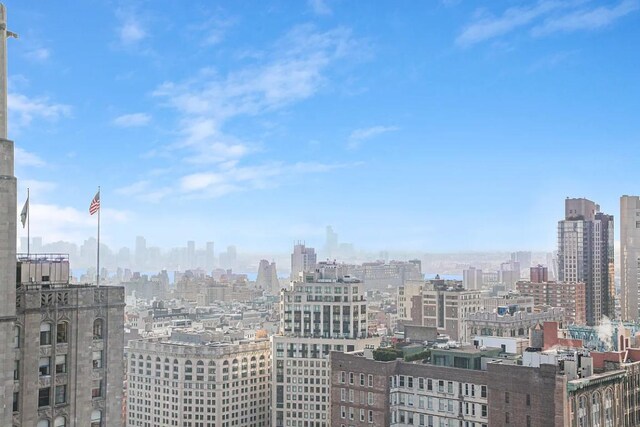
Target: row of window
61 333
344 375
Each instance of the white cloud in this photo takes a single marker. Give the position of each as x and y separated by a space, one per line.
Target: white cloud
320 7
293 69
26 158
130 30
487 27
359 135
544 17
36 187
25 109
68 223
587 19
132 120
38 54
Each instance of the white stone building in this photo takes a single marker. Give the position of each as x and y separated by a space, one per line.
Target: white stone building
186 382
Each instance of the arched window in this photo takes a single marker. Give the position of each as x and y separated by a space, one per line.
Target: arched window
98 329
96 418
45 335
60 422
16 336
595 410
62 333
608 408
583 415
43 423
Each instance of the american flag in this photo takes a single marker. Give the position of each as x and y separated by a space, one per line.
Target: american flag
95 204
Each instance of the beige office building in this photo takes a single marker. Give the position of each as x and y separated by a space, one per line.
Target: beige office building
629 256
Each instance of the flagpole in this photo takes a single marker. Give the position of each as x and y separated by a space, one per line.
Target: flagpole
98 253
28 224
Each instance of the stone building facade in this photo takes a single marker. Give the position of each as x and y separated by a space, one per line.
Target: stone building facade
198 384
68 348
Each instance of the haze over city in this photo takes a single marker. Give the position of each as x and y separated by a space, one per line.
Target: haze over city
452 126
320 213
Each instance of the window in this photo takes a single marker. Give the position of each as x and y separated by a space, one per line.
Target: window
350 377
97 359
343 377
506 418
61 364
44 366
16 401
96 418
483 391
45 333
97 329
60 422
62 332
362 384
528 400
43 423
16 370
96 389
44 397
506 397
370 380
16 337
61 394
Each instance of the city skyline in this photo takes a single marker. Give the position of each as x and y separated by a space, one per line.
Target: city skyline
431 108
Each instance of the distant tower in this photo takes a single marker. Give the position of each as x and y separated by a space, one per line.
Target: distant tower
629 256
141 253
268 277
585 254
303 259
331 243
209 259
472 278
191 254
8 214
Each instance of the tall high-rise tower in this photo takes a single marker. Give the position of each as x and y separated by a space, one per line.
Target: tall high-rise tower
8 215
629 256
303 259
585 254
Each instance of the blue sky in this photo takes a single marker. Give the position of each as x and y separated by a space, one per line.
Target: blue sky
423 125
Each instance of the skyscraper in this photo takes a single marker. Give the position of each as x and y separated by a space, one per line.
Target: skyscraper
191 254
268 277
61 345
331 243
323 312
303 259
585 254
8 215
209 258
141 252
472 278
629 256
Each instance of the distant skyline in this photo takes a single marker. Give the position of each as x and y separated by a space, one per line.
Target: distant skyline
420 126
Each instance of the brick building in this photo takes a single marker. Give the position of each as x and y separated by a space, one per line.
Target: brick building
569 296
